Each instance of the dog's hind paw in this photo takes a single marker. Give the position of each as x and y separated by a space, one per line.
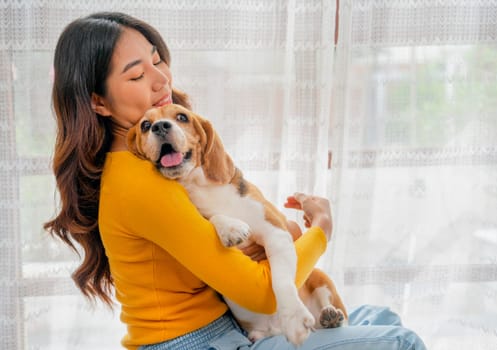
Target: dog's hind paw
331 317
231 231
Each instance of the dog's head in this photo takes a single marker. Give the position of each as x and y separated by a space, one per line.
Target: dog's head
177 141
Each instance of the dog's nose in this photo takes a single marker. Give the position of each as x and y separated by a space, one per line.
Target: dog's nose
161 127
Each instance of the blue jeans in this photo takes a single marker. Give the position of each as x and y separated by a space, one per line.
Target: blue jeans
370 328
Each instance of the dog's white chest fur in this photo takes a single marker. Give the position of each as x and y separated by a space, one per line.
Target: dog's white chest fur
211 199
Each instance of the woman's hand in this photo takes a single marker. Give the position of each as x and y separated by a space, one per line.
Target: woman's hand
317 211
253 250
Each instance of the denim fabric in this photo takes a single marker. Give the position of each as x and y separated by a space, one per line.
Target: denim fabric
225 327
370 328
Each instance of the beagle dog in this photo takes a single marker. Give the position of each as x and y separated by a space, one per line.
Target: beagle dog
185 147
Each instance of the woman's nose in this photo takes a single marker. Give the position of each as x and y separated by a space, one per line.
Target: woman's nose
160 80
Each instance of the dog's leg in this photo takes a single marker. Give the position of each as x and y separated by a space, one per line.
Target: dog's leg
295 320
321 296
231 231
329 317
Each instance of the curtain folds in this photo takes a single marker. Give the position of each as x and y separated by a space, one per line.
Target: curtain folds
396 124
413 129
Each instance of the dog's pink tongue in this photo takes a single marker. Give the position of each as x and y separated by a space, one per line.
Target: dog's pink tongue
171 159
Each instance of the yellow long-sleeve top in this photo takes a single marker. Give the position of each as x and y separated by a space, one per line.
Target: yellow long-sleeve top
167 261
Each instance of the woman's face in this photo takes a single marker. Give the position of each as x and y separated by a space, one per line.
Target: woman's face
138 80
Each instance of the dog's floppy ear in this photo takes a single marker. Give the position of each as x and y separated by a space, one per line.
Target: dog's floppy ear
131 142
215 162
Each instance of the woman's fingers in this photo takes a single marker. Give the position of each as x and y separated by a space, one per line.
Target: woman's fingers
253 250
316 210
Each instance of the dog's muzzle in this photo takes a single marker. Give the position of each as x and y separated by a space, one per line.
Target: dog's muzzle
170 158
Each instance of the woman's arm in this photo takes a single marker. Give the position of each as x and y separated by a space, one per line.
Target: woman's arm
316 213
159 210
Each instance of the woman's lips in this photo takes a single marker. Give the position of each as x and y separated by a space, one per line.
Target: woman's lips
164 101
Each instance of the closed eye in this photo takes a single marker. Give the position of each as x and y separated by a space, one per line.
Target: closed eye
139 77
143 74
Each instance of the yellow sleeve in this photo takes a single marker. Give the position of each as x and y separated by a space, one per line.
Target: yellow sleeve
160 211
309 247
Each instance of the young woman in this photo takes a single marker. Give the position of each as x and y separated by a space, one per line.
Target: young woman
140 234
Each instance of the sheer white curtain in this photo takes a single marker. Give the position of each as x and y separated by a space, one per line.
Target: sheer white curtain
404 104
414 135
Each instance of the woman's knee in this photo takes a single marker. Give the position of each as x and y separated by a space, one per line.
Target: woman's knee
412 341
370 315
350 338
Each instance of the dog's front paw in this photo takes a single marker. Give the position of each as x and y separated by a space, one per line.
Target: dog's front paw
231 231
297 324
331 317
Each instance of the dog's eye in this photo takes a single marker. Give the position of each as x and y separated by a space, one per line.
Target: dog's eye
182 118
145 126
